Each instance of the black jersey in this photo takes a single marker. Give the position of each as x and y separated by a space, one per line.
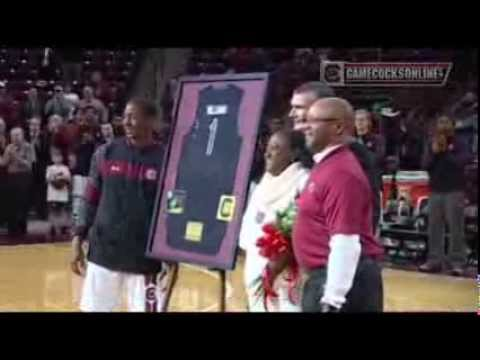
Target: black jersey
206 171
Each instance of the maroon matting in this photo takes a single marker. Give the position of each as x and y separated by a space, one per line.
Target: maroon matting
250 113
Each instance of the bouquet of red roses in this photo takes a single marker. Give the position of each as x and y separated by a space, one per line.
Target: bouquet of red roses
275 245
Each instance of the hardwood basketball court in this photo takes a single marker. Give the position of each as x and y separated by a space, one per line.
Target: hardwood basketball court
38 278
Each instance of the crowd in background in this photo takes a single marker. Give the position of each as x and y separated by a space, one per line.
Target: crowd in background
56 106
47 140
398 125
402 127
45 150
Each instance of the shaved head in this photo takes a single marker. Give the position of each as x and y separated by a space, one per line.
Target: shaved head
329 121
332 107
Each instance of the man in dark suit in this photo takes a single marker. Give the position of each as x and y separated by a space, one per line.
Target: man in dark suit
37 138
33 105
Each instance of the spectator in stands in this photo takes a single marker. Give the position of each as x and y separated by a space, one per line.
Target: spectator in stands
168 99
3 173
92 117
38 140
445 163
71 60
241 59
6 105
33 105
56 136
465 112
71 132
411 144
114 94
58 104
390 125
100 86
365 135
54 124
465 107
89 100
71 96
41 86
48 64
107 133
3 135
82 155
18 158
58 178
16 117
118 129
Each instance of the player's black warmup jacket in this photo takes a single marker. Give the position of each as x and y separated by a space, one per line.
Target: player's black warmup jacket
118 206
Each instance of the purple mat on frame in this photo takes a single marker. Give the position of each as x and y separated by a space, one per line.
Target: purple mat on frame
254 88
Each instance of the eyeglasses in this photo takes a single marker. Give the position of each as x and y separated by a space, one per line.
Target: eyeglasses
58 90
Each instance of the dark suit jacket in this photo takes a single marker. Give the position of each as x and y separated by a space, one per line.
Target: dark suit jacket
31 109
42 154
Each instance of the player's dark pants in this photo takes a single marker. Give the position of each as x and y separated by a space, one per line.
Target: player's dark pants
18 202
366 294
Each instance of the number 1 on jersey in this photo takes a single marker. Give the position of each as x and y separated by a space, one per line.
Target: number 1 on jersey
212 135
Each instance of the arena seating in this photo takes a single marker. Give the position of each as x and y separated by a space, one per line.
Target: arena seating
20 68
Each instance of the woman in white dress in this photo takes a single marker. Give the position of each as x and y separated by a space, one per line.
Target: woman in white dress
287 164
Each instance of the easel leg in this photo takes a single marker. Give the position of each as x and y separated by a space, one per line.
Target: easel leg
223 290
172 281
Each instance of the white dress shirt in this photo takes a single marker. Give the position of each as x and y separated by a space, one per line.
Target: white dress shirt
343 259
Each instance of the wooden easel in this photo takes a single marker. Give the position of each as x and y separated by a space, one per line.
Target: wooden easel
222 276
223 290
171 285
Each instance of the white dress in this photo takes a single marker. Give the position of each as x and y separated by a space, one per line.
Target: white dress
272 194
53 194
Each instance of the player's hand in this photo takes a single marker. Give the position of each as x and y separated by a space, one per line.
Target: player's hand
78 262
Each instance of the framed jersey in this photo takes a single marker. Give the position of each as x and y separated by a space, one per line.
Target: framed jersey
199 208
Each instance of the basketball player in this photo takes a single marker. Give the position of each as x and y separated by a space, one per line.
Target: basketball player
116 215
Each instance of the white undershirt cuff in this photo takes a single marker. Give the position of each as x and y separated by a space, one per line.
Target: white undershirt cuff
342 265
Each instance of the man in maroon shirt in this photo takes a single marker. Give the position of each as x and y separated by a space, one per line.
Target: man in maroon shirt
333 236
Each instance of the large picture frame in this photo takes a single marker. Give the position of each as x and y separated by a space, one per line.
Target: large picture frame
173 236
